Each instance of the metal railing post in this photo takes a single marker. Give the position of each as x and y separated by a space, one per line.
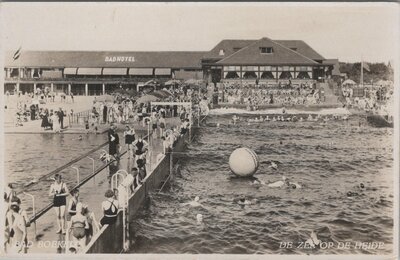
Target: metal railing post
33 213
115 176
77 174
94 178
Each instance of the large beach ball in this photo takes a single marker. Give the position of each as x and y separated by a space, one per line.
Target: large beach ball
243 162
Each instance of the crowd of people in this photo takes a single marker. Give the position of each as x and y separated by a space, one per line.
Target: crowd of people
33 106
74 219
374 99
303 94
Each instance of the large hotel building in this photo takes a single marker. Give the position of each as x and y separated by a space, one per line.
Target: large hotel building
97 72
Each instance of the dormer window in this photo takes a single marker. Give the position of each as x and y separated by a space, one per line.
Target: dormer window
221 52
236 49
266 50
293 49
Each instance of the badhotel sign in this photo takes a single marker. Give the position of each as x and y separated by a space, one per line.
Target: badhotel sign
120 59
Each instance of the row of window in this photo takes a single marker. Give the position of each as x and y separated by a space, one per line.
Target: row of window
268 75
263 50
267 68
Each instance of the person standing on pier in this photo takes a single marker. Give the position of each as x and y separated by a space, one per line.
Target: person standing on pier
113 139
72 204
61 118
104 109
129 135
59 191
18 233
163 124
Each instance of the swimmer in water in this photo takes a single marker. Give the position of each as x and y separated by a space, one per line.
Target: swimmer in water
234 119
360 188
199 219
267 118
257 183
310 118
273 164
313 240
244 201
284 183
195 203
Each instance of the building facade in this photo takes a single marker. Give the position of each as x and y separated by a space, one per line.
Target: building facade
94 73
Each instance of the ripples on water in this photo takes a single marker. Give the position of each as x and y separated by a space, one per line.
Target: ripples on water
327 160
30 156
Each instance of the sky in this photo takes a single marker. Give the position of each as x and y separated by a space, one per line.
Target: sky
347 31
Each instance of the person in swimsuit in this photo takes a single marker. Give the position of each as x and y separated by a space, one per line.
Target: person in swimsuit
72 204
91 219
110 209
154 121
78 226
141 147
59 192
18 233
113 140
129 135
163 124
9 194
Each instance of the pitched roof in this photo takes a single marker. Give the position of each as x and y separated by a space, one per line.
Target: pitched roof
251 55
97 59
302 48
229 47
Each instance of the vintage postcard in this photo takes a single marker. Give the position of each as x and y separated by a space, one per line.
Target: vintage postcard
200 130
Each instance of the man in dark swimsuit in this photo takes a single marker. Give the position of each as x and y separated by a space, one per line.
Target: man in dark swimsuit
113 140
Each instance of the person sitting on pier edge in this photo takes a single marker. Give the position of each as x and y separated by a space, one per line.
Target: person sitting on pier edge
72 204
113 140
17 201
185 126
78 226
110 209
141 164
141 146
91 219
59 191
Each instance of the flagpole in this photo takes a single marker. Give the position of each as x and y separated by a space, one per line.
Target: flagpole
362 73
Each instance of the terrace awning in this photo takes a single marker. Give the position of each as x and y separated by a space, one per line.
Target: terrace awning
89 71
115 71
141 71
70 71
162 72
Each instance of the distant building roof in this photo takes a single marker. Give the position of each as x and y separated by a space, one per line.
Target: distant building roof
302 48
102 59
281 55
231 46
228 47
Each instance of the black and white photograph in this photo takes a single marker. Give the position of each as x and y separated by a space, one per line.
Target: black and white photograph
200 130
